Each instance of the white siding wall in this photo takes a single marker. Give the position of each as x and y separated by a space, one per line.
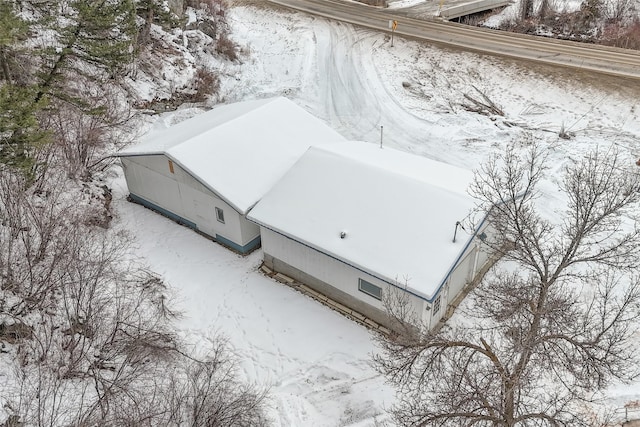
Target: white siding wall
471 262
485 252
151 184
345 277
150 178
462 274
327 269
249 230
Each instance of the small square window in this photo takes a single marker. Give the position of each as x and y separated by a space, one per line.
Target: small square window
370 289
220 215
436 305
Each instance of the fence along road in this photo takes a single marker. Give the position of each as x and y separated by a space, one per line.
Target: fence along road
583 56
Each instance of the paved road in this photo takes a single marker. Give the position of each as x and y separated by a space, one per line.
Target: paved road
602 59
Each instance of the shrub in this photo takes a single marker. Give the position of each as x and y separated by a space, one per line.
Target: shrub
624 36
226 47
205 83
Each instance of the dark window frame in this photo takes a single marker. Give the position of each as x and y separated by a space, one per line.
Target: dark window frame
220 215
372 293
436 305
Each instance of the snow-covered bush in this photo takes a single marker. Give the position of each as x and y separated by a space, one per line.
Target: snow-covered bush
88 333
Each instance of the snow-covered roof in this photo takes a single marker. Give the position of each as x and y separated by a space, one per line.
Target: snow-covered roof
398 211
239 150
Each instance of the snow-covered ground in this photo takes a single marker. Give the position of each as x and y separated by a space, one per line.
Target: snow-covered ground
316 362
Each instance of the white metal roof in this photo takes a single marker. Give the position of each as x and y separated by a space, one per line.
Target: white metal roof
239 150
398 211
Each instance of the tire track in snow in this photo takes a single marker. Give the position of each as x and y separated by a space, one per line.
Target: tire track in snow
349 100
354 98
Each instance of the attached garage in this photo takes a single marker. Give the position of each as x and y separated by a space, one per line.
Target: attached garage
357 222
207 172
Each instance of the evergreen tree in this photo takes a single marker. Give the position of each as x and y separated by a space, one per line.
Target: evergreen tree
93 38
153 12
12 29
20 133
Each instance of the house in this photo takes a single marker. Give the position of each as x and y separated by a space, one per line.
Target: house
355 222
207 172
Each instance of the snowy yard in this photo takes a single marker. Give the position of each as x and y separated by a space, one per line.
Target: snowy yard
315 361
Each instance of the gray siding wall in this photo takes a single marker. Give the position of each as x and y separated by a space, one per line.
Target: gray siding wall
248 230
463 272
150 177
337 280
466 270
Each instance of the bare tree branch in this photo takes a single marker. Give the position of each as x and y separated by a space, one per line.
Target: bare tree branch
542 337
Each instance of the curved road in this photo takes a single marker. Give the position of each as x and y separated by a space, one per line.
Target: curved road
602 59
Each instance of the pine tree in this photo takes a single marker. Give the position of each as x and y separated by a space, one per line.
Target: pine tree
92 41
153 12
12 29
93 38
20 133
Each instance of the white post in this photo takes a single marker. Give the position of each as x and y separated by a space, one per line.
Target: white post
380 136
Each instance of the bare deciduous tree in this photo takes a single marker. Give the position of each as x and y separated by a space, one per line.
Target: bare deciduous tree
207 392
525 10
100 346
551 326
82 134
618 10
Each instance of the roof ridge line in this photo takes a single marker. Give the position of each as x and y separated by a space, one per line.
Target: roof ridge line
393 171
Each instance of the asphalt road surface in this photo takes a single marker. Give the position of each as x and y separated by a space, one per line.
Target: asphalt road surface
583 56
